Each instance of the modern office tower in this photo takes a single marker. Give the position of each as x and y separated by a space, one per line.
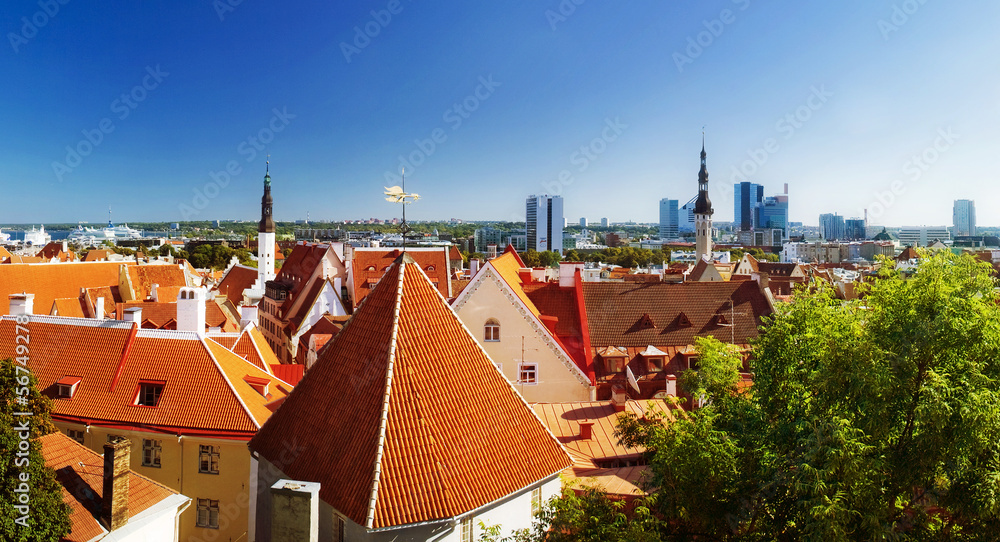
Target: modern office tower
855 230
544 223
685 223
922 236
604 222
583 222
964 215
772 213
747 199
669 219
831 226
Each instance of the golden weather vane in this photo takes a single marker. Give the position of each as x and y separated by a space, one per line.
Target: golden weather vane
397 194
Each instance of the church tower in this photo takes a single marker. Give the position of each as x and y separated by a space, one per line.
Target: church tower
266 236
703 211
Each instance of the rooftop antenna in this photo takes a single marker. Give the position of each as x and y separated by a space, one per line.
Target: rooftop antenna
397 194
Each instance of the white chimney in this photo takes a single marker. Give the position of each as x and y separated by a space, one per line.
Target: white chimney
294 511
191 309
567 272
473 267
21 304
152 291
133 315
99 308
65 246
248 314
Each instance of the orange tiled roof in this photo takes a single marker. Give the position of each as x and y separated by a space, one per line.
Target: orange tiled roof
97 254
4 253
369 265
112 358
14 259
81 474
507 265
68 306
456 435
143 277
237 279
51 281
111 299
158 315
253 347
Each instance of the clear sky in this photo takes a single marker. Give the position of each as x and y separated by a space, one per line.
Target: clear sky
489 102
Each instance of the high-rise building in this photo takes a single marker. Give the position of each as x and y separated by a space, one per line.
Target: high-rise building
747 199
604 222
669 219
831 226
964 215
703 211
686 216
583 222
855 230
544 223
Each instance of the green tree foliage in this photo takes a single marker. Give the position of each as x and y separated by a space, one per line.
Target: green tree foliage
218 257
47 515
868 420
622 256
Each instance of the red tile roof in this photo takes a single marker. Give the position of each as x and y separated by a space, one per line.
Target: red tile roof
111 299
69 306
369 265
614 311
52 281
456 435
237 279
81 474
143 277
160 315
112 358
97 254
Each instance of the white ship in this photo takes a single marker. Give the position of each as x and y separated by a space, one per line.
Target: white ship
37 237
4 237
83 234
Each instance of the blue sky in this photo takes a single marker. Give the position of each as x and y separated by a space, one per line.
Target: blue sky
886 105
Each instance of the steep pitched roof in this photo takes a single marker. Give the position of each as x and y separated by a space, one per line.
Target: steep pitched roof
200 394
156 315
51 281
81 474
405 419
508 266
613 309
97 254
68 306
237 279
369 265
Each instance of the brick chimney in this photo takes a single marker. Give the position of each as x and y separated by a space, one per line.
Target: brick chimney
618 398
114 504
586 430
21 304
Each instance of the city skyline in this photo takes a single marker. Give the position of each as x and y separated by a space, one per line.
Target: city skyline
169 112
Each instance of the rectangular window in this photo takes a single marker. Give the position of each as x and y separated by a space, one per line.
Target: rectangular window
75 435
114 438
149 393
655 364
693 363
536 501
151 453
208 513
208 459
338 528
527 373
616 365
467 530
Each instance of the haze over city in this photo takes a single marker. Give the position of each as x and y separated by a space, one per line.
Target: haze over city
854 104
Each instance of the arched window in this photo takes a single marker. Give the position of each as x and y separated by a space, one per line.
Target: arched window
430 268
491 331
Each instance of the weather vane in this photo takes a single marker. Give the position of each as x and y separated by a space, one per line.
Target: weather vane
397 194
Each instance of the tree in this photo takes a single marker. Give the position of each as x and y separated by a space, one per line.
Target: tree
47 514
531 258
548 258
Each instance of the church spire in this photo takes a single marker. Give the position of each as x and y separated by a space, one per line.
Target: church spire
266 203
704 205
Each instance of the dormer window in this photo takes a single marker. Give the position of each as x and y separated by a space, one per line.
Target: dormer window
149 394
615 364
654 365
66 386
259 385
430 268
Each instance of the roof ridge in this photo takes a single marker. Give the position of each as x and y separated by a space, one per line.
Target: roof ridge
225 377
384 422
